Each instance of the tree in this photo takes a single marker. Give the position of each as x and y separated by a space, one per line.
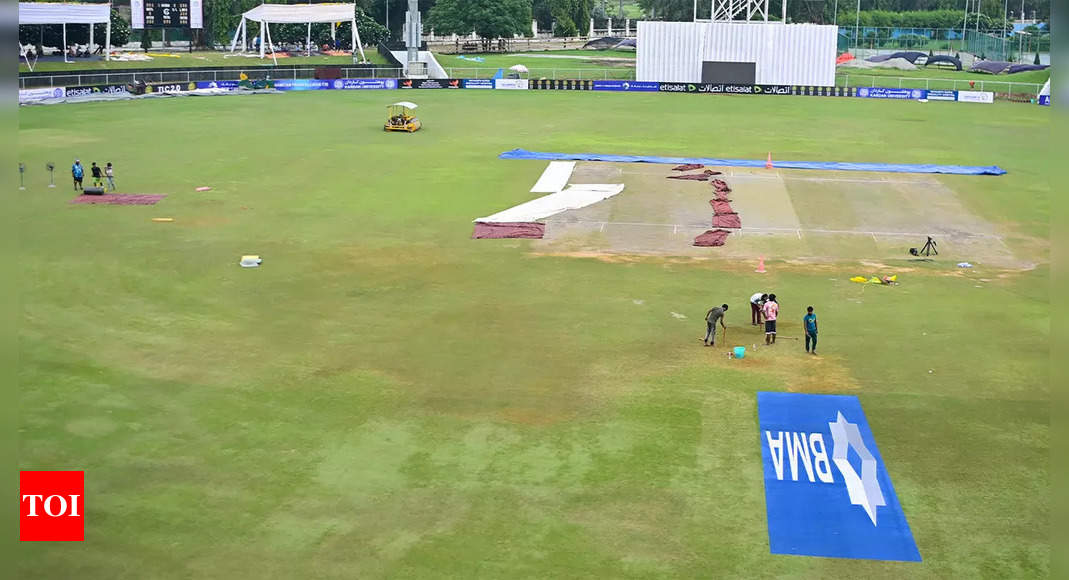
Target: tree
489 19
672 10
120 30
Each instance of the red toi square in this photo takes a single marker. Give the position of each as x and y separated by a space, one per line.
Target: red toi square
51 506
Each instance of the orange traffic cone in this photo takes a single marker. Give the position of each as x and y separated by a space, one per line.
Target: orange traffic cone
760 265
768 164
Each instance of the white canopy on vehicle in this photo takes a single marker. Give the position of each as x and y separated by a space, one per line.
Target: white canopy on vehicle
68 13
405 104
267 14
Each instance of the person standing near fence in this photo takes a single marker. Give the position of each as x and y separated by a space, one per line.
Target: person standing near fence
109 174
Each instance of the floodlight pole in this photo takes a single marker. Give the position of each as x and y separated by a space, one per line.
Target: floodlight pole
1005 21
107 37
965 24
857 27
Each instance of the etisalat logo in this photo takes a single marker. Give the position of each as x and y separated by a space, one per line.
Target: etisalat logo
827 490
810 450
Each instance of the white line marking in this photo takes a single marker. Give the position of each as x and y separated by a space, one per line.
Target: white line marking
675 228
799 232
602 228
874 237
835 179
777 230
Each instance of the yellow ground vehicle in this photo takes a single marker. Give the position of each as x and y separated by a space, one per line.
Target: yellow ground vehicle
400 118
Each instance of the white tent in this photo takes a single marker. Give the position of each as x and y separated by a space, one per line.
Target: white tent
68 13
267 14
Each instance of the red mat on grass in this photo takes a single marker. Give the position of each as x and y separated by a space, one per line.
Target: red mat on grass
703 176
499 230
730 220
687 167
119 199
722 196
721 207
720 185
712 238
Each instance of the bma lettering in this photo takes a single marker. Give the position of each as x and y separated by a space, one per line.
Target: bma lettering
808 448
48 503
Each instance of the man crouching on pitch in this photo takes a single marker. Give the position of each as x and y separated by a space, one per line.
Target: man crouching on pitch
716 313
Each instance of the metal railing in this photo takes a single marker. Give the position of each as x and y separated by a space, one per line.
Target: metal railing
1005 87
188 76
597 74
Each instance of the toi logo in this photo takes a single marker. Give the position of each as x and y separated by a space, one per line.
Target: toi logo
51 506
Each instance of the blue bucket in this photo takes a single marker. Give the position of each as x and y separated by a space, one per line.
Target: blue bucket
740 352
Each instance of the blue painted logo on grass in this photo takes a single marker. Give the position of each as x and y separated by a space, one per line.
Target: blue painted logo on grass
826 488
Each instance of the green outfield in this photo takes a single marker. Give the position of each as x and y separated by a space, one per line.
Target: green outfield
386 397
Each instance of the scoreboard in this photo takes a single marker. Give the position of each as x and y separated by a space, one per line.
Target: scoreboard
166 13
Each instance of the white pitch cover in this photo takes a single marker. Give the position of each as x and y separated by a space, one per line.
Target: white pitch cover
555 177
575 197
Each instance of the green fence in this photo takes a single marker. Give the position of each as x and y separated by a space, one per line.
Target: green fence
990 44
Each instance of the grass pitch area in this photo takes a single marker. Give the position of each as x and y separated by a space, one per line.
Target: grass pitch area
386 397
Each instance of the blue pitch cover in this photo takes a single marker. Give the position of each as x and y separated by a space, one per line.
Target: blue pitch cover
833 166
827 490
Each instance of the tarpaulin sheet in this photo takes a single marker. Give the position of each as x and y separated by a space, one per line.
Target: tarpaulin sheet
576 196
119 199
820 165
721 207
532 230
712 238
730 220
687 167
555 177
691 176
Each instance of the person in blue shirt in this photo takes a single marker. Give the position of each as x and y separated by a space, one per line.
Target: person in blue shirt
77 172
809 322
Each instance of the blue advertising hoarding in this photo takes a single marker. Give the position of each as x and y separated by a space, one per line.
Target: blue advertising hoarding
478 83
302 85
884 93
310 84
934 95
364 84
228 85
631 86
827 490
